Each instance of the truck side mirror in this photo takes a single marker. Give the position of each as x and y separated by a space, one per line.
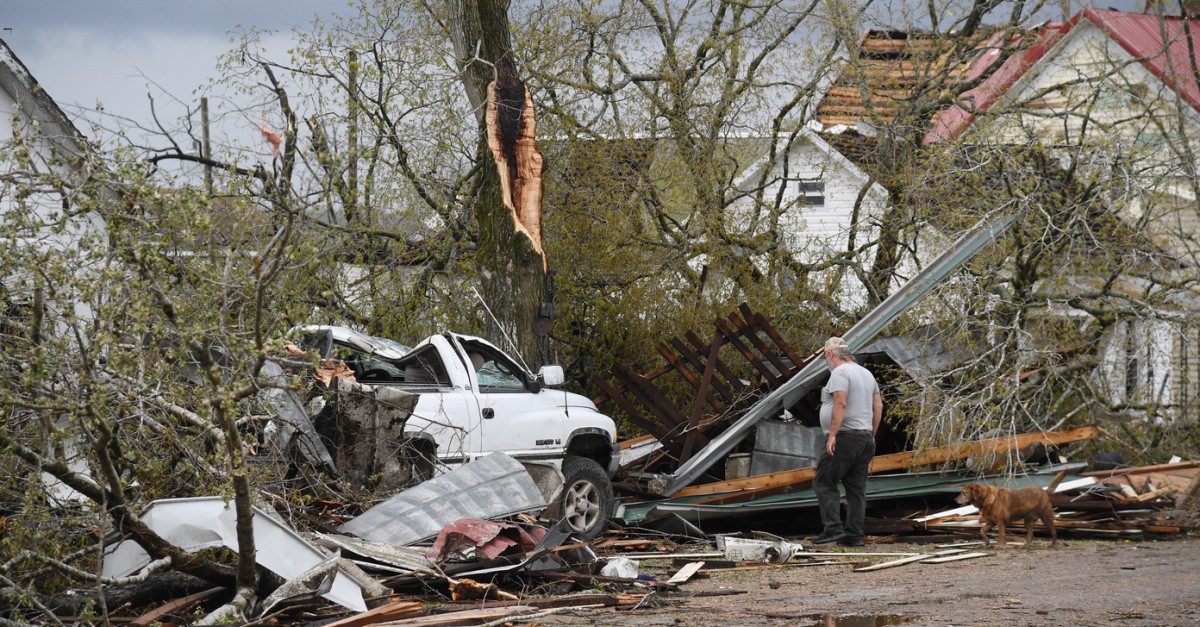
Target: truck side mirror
552 375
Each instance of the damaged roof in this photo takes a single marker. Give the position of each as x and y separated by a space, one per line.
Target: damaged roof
904 77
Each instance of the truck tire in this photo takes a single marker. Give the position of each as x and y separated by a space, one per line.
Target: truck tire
587 497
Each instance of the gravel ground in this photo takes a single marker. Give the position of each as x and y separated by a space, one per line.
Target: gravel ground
1082 582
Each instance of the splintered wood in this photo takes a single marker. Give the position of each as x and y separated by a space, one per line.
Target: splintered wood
511 133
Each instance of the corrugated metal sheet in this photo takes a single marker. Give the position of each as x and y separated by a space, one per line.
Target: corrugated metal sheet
195 524
489 487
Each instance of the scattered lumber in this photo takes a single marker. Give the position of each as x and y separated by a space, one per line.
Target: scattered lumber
468 617
685 573
954 558
394 610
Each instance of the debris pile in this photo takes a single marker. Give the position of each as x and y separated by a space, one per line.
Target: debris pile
421 558
1129 503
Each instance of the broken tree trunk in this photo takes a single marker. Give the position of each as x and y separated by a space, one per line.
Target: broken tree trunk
511 265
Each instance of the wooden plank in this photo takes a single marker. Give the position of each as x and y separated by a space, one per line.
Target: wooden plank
628 380
784 347
735 339
667 556
719 385
751 331
852 553
941 454
685 573
729 378
714 352
907 560
958 511
390 611
954 558
631 413
1141 470
1192 493
177 606
785 565
468 617
651 397
1151 495
897 461
680 365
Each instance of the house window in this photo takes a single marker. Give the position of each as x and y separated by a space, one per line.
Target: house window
811 192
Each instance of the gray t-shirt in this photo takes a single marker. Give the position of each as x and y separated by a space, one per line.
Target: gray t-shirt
860 387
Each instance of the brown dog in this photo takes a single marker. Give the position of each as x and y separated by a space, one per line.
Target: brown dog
999 506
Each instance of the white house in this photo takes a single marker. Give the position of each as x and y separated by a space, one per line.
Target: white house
819 203
40 224
37 137
1117 91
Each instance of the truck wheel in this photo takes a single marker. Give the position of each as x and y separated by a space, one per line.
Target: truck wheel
587 497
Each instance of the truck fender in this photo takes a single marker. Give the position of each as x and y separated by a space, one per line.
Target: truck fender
596 444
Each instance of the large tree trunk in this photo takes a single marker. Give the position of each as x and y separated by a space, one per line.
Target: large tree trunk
511 266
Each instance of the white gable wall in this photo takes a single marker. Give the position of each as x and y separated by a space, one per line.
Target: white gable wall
1090 92
812 233
53 146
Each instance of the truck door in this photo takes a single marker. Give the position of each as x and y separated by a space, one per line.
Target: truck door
516 420
448 408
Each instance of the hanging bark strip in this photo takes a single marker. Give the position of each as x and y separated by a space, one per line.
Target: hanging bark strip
511 129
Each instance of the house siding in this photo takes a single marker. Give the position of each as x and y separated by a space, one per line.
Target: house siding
813 233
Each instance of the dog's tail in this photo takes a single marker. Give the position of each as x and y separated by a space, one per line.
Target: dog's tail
1056 480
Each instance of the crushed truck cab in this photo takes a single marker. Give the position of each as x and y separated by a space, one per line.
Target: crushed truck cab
471 399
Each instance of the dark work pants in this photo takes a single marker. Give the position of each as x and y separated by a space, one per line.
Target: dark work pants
849 464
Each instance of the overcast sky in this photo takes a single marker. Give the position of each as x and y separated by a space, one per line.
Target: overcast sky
88 51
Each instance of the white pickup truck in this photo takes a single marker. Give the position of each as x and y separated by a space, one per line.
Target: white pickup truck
470 400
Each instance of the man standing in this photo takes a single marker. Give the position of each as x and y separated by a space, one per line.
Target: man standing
851 408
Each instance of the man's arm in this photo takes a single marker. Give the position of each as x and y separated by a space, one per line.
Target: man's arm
876 412
839 413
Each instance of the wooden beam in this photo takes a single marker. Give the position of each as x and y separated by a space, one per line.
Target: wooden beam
390 611
765 324
701 394
731 379
803 476
693 358
631 413
907 560
735 338
751 332
650 397
681 366
177 607
685 573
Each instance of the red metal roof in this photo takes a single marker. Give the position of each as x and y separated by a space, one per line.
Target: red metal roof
1161 44
953 121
